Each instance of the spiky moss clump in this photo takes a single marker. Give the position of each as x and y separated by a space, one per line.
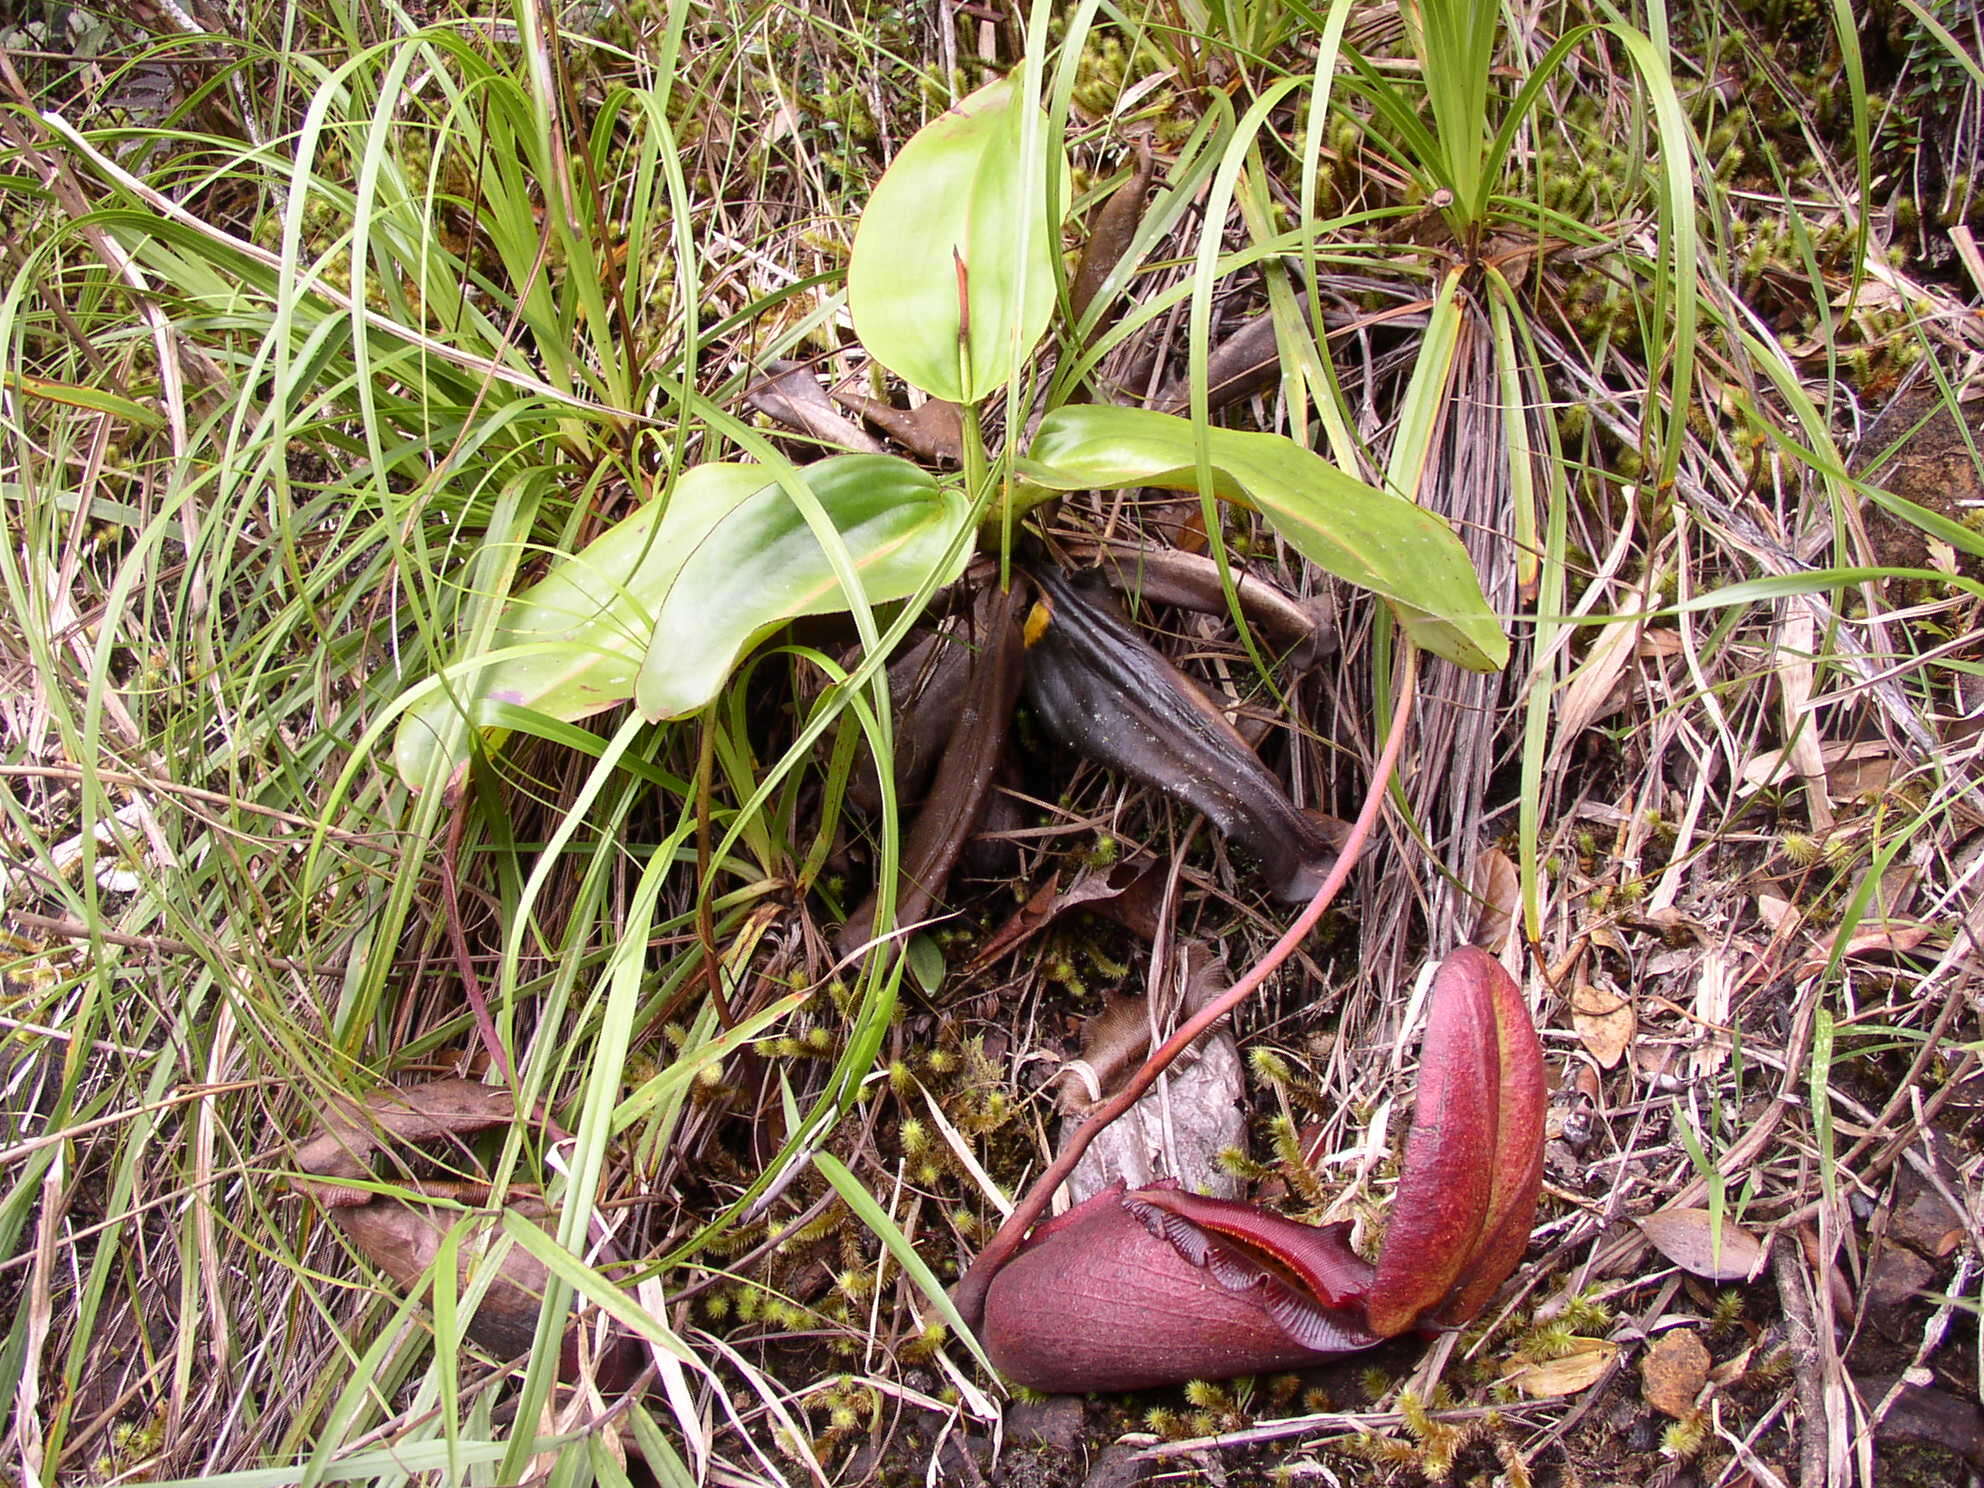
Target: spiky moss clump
844 1409
1427 1445
830 1278
1108 66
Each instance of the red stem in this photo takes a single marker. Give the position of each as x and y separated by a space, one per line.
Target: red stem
970 1293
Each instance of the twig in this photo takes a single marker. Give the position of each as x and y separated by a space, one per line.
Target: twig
1802 1337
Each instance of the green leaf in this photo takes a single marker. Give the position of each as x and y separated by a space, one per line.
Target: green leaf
662 603
760 565
571 644
1378 541
960 203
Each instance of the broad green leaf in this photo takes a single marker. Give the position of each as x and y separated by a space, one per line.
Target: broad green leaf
761 565
948 219
1370 538
667 598
571 644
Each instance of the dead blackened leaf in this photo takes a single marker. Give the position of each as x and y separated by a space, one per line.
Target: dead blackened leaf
1896 1277
1674 1373
1925 1416
1605 1023
1691 1240
1100 687
933 430
1924 1214
1552 1379
793 396
926 685
964 776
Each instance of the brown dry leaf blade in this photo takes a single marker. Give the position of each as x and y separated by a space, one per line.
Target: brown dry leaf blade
1301 628
933 429
1102 889
1101 688
926 686
403 1240
1588 696
1181 1126
1878 938
1688 1238
1113 1043
1605 1024
1674 1372
351 1131
794 397
1114 227
964 777
1498 891
1552 1379
1243 363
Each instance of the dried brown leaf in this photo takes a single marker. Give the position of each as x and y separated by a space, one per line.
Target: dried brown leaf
1689 1238
1114 226
1552 1379
404 1239
1118 891
1498 891
1605 1023
1588 696
964 776
1301 628
1113 1044
1182 1124
1872 938
351 1131
933 430
794 397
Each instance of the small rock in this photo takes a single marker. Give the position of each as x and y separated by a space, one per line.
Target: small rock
1673 1373
1922 1218
1118 1467
1058 1422
1895 1277
1929 1417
